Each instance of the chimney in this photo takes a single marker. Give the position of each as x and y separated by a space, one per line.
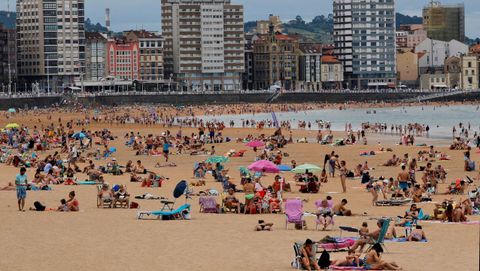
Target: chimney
107 19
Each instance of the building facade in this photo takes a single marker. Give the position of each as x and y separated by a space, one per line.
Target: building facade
95 56
436 52
364 37
204 43
410 35
123 59
4 65
444 22
50 41
263 26
470 69
407 68
151 54
275 61
309 66
332 72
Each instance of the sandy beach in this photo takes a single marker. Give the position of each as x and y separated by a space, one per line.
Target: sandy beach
108 239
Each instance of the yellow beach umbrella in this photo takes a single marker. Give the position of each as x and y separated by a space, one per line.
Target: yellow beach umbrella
12 126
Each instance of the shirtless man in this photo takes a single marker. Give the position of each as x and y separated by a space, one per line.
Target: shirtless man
308 256
341 210
403 178
371 237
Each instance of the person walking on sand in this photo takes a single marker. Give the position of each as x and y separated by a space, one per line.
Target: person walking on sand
21 186
343 175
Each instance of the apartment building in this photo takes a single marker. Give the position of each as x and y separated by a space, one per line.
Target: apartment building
95 56
364 38
151 54
204 43
123 58
444 22
50 41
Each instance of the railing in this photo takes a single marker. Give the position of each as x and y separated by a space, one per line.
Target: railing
427 94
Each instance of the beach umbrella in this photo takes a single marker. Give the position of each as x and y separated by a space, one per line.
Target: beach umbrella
79 135
264 166
306 167
244 171
12 126
12 110
216 159
255 144
112 149
284 167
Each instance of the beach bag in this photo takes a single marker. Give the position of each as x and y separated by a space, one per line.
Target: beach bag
324 260
134 205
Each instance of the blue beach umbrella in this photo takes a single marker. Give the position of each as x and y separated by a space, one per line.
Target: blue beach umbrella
79 135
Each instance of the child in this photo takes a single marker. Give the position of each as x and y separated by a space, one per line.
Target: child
363 232
63 207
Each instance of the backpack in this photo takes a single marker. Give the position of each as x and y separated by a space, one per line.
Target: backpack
324 260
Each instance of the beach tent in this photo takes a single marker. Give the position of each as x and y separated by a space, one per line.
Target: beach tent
306 167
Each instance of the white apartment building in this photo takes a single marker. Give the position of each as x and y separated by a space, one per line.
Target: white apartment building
50 41
364 37
437 51
204 44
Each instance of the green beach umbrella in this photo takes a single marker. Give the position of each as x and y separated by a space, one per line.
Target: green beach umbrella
306 167
216 159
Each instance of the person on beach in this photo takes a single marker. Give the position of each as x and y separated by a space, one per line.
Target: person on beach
72 202
341 210
308 255
417 235
343 175
373 260
21 187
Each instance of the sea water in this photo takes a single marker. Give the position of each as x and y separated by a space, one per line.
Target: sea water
440 119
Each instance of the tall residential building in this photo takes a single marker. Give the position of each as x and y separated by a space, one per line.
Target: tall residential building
204 43
151 54
50 41
470 69
95 56
123 59
3 56
444 22
364 37
309 66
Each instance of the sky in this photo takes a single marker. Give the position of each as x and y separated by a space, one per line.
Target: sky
136 14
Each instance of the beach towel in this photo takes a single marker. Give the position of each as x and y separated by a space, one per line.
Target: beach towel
453 223
402 240
346 268
86 183
340 243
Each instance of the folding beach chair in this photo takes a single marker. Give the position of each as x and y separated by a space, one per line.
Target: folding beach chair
180 189
381 237
294 213
297 260
182 213
208 205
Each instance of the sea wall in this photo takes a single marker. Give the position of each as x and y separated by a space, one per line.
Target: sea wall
233 98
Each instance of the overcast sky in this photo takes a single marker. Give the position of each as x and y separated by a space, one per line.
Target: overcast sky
131 14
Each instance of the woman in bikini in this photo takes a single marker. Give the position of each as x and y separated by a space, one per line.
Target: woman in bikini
373 260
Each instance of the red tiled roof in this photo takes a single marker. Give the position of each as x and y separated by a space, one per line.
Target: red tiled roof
475 49
330 59
284 37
